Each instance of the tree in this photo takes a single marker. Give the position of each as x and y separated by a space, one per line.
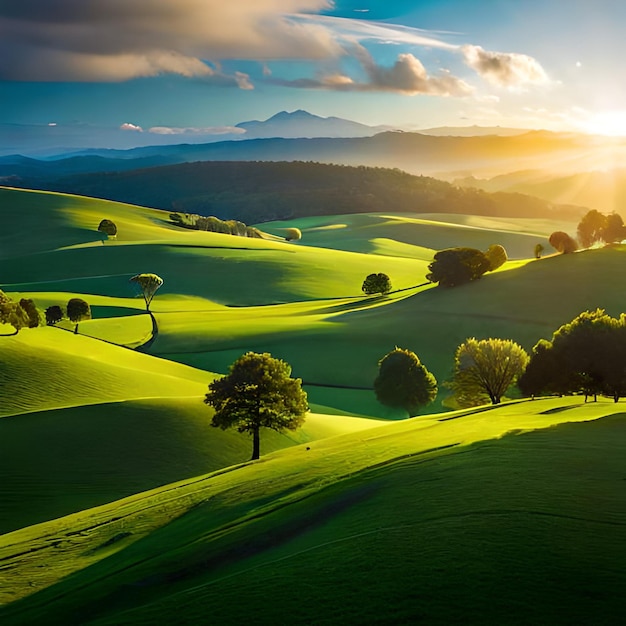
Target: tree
376 283
485 369
562 242
108 228
293 234
590 228
78 310
456 266
258 392
28 305
12 313
148 283
584 356
54 314
496 255
538 251
614 229
403 382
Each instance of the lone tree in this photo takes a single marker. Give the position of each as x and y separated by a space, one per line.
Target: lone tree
376 283
148 283
496 254
456 266
485 369
78 310
54 314
403 382
258 392
108 228
293 234
562 242
538 251
614 230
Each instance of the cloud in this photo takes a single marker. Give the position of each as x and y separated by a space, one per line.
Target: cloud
211 130
504 69
406 76
131 127
114 40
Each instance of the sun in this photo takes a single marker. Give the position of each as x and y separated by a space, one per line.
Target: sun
611 123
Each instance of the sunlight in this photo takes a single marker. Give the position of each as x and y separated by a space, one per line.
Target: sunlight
612 123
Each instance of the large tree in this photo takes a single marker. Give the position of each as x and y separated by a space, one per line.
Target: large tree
456 266
584 356
496 255
258 392
148 283
590 228
403 382
485 369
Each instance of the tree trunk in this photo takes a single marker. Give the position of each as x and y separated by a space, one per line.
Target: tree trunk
76 329
256 444
616 396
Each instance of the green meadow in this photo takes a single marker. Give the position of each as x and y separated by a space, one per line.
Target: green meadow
121 504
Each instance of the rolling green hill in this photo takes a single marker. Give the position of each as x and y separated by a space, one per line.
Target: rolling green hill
510 515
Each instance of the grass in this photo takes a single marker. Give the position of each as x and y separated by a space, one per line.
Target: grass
420 519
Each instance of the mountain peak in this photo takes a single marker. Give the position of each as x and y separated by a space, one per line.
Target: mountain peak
299 114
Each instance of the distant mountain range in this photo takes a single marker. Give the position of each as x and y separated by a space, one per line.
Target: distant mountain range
446 157
47 140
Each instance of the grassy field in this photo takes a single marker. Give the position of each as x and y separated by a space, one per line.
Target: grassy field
510 515
353 519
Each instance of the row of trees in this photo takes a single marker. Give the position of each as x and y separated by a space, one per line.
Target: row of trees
19 314
594 227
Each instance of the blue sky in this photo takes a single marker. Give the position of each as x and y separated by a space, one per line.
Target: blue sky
201 66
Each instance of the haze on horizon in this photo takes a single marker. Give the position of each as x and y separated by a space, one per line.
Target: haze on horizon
153 71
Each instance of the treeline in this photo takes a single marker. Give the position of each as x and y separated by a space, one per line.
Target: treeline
255 192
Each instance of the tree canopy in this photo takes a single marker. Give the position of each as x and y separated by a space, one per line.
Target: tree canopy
258 392
78 310
496 255
485 369
403 382
13 313
456 266
584 356
148 283
376 283
562 242
54 314
108 228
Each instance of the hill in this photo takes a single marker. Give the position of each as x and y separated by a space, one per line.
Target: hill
262 191
419 520
602 189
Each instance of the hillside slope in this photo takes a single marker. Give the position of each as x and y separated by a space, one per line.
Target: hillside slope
423 519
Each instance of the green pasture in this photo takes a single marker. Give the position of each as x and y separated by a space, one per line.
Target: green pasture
513 514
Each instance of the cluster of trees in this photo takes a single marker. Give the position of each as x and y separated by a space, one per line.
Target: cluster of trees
594 227
457 266
585 356
76 311
19 314
215 225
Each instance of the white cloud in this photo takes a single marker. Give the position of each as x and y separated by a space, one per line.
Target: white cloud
211 130
131 127
406 76
505 69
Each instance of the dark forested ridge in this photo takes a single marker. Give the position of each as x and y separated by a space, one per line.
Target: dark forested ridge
256 192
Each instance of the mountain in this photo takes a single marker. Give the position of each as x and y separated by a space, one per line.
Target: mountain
472 131
304 124
444 157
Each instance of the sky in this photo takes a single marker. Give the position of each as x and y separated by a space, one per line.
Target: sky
150 69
